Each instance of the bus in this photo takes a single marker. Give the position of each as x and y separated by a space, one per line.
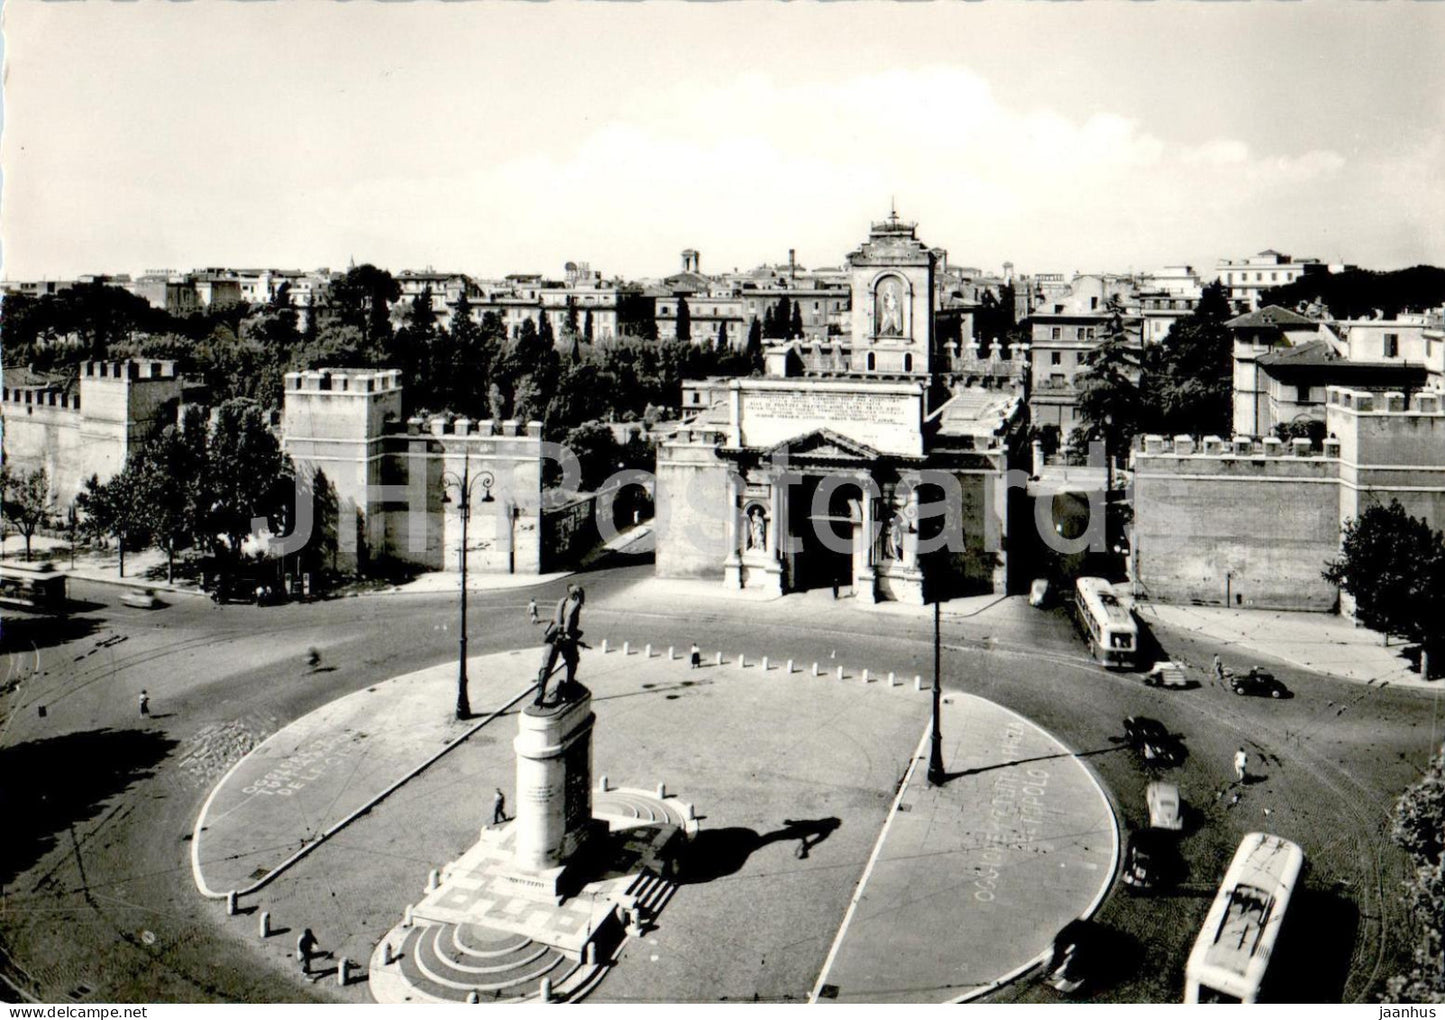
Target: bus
1107 623
32 586
1231 955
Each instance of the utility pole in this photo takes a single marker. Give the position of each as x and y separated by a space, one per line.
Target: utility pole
936 775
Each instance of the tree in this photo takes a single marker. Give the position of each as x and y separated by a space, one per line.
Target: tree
119 508
168 476
245 474
1419 827
795 329
544 330
754 349
28 504
684 320
1108 394
1394 567
1186 383
363 298
596 450
569 324
722 337
768 329
587 326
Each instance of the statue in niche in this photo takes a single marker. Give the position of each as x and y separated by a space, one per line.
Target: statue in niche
890 310
757 529
893 545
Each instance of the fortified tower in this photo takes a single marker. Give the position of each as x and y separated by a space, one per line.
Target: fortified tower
892 281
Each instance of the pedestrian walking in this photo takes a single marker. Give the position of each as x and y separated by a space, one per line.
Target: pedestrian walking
696 655
305 949
1240 761
145 704
499 807
532 610
1218 667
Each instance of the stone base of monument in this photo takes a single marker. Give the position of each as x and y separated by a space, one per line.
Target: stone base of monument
537 907
898 583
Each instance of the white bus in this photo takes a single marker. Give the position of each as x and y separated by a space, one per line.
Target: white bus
1107 623
1232 953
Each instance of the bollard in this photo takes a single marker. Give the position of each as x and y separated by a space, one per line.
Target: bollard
342 966
231 903
865 676
590 956
627 648
602 784
840 672
815 669
433 880
647 651
604 646
917 682
662 791
406 918
473 998
544 991
265 928
742 662
670 655
765 664
692 813
719 658
790 667
388 955
890 678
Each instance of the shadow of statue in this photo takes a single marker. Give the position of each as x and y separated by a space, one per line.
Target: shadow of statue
716 853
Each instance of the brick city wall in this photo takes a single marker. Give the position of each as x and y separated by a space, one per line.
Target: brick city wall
692 499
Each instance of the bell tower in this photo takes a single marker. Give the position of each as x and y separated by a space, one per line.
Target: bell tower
892 289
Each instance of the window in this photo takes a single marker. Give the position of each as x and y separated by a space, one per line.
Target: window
1090 333
1304 395
1056 358
1080 332
1392 345
869 362
1056 333
1273 277
1093 304
908 363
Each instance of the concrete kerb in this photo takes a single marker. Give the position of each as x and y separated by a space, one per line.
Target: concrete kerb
285 865
1043 958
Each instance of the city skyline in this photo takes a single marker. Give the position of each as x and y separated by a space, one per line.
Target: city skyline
495 139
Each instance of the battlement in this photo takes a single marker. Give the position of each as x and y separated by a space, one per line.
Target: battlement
442 427
133 370
33 398
1268 448
346 381
1391 402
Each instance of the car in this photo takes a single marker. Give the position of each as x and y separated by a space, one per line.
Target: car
1165 806
1257 681
1141 866
1166 674
1072 960
1152 740
143 599
1039 592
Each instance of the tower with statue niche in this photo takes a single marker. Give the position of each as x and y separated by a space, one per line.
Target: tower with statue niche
892 282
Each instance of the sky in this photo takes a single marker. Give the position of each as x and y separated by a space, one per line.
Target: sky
497 137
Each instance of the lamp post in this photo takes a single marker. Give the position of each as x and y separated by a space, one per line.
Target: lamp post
936 775
464 486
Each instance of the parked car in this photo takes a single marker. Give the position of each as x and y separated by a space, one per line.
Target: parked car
1166 674
1039 592
1257 681
1070 965
1165 806
1152 740
143 599
1141 867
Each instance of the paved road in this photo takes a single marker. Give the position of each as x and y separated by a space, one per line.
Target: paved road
97 894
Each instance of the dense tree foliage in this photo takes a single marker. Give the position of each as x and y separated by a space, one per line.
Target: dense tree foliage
1394 567
1419 827
1108 390
1186 383
684 319
1363 293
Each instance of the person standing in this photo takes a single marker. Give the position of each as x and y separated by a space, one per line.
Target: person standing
499 807
532 610
305 948
696 655
1240 761
1218 667
145 704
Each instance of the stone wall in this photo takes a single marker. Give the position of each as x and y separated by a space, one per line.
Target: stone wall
691 503
1245 522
